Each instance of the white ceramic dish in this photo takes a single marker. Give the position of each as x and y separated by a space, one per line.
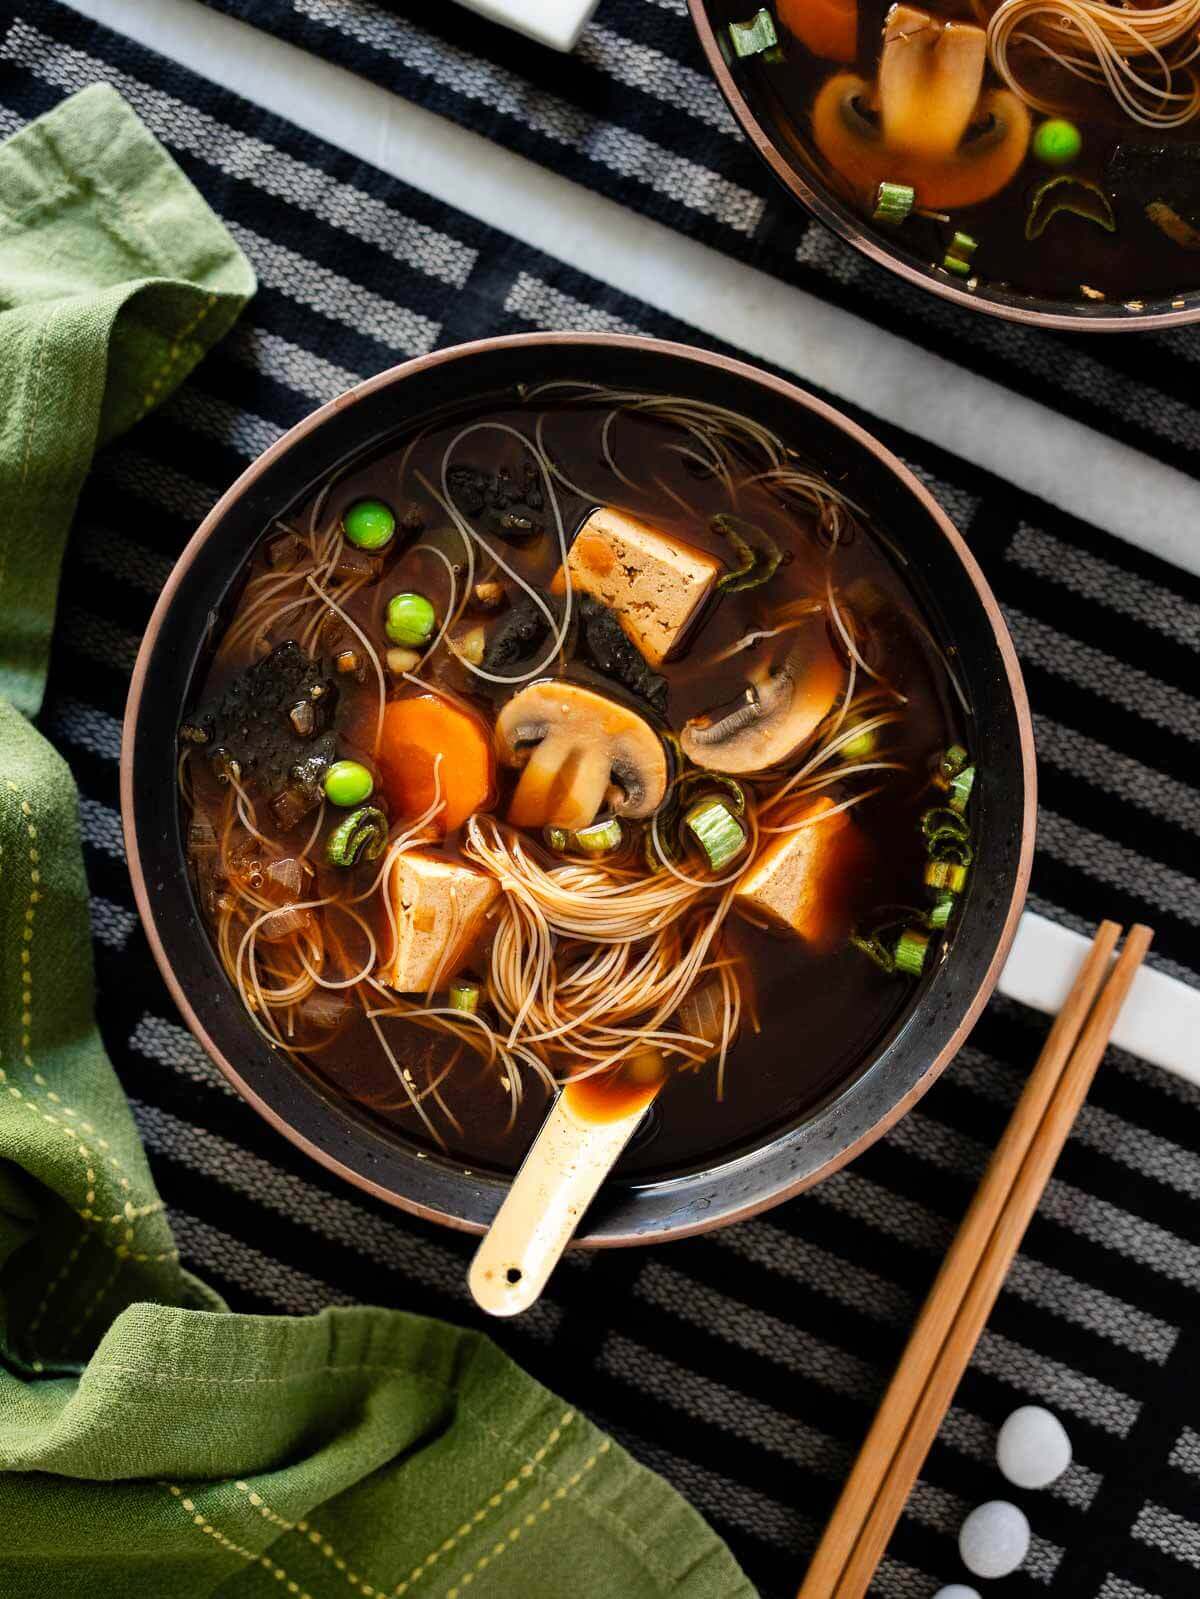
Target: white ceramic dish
554 22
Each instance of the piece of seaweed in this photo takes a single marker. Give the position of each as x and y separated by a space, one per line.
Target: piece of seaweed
510 506
251 721
602 642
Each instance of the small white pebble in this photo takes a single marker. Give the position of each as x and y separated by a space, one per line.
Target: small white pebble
1032 1448
994 1539
957 1590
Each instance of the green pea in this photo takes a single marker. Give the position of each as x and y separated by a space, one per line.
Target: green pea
369 524
410 620
348 783
1057 142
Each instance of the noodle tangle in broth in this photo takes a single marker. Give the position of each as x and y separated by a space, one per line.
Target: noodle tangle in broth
569 742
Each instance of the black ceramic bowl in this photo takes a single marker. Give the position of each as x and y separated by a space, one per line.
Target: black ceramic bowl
800 172
946 1003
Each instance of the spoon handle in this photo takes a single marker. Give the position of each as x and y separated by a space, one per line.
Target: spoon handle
558 1179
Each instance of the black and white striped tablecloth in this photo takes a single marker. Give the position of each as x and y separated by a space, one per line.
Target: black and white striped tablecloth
744 1366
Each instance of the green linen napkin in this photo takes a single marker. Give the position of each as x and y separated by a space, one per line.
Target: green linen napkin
151 1442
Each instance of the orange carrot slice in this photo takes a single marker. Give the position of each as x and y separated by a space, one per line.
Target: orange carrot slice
415 732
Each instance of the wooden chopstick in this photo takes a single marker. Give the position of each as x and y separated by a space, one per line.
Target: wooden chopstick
966 1287
987 1280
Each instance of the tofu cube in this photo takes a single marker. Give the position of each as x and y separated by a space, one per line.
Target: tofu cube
804 882
655 583
440 908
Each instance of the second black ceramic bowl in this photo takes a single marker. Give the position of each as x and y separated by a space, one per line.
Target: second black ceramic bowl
945 1004
799 171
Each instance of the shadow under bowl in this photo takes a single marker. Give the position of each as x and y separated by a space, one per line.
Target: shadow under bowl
293 1099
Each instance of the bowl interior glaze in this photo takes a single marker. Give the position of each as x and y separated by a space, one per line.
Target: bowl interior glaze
800 173
294 1100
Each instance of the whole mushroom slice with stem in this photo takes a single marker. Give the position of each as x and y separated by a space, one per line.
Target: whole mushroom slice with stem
927 122
579 750
779 710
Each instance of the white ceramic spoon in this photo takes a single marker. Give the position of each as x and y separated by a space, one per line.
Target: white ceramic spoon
576 1149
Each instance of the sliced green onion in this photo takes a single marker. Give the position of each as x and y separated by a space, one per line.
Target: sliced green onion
758 556
911 949
944 874
704 782
951 847
954 849
360 837
717 831
751 38
1082 197
958 254
943 905
601 838
464 995
948 846
941 819
893 202
960 788
952 762
874 951
661 839
962 246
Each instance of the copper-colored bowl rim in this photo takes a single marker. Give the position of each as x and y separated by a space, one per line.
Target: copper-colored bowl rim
1110 318
583 341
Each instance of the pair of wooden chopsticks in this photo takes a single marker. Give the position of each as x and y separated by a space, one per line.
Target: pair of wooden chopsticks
972 1273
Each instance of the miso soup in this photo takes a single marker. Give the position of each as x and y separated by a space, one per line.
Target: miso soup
1050 148
582 734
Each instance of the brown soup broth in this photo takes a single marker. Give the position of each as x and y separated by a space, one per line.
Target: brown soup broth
1073 255
820 1017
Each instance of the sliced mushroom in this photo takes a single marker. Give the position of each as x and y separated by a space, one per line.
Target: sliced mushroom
780 709
927 122
575 746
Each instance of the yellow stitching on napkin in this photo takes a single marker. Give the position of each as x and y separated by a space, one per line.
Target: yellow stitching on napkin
174 352
484 1511
93 1305
529 1520
143 1374
52 1287
29 1095
31 905
206 1526
40 1090
316 1538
